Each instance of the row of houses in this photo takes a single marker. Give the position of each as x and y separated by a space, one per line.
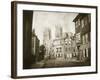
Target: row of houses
83 37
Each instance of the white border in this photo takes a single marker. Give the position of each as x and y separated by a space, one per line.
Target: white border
48 71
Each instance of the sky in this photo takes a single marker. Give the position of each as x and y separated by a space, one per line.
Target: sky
43 19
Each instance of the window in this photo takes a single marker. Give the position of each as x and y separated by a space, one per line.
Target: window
78 37
83 39
78 22
69 42
60 49
86 38
56 49
86 52
66 41
83 53
85 20
82 23
56 55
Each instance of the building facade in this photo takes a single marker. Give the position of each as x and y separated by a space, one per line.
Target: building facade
27 39
35 46
82 32
63 46
47 41
58 48
58 31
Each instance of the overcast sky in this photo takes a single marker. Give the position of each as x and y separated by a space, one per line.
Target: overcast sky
41 20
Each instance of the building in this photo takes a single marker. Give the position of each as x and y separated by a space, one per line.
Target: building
47 41
27 39
64 46
58 48
69 45
82 32
58 43
74 48
35 46
58 31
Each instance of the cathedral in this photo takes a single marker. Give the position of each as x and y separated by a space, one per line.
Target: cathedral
62 46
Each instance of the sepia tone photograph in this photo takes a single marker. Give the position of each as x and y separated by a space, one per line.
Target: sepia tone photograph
50 39
56 39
